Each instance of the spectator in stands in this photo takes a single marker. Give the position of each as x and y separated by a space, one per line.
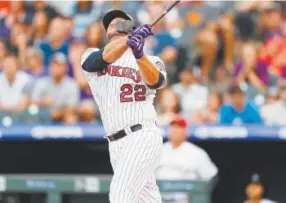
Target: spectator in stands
254 20
273 20
3 52
254 67
225 31
272 95
83 14
58 92
226 97
69 23
239 111
87 111
5 25
19 41
211 113
35 68
87 107
221 81
17 14
202 26
186 79
43 6
35 63
251 73
76 49
195 15
40 27
191 94
273 52
56 42
13 83
274 111
169 106
182 160
255 191
94 36
5 8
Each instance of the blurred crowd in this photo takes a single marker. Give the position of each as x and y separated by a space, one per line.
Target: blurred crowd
225 59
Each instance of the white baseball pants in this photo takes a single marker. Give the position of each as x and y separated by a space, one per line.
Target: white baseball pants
134 159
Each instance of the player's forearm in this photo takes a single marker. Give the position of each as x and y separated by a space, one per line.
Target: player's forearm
148 71
114 49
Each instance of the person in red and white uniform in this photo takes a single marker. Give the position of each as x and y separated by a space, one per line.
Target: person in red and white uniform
182 160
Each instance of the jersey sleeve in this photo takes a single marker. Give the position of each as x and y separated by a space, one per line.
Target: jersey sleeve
87 53
159 64
92 61
84 56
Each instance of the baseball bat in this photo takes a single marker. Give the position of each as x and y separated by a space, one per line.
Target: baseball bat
164 13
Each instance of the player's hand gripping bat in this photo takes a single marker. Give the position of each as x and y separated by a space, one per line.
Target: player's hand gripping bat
126 26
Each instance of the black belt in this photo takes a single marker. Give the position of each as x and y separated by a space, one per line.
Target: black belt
120 134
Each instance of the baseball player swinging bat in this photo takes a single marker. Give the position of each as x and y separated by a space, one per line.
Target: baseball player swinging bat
123 81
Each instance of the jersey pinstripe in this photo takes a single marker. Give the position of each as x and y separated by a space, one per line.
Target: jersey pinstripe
120 92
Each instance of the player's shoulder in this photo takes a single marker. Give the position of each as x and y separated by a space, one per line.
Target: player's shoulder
87 52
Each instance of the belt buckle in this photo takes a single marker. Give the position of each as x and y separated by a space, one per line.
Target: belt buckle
110 138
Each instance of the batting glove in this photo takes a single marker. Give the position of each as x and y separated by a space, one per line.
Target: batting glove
142 30
136 43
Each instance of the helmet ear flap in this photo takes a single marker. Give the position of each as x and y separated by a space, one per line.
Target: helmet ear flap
124 26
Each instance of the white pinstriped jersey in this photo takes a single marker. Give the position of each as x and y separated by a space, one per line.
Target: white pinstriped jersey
120 92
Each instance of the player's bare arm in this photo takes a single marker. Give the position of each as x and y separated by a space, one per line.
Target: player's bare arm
150 72
114 49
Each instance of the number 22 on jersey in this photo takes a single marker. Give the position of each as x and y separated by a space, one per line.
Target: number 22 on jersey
131 93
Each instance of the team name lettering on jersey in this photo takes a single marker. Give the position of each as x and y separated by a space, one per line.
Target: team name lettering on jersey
118 71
